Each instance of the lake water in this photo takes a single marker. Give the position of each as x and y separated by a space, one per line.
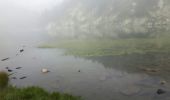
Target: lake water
93 78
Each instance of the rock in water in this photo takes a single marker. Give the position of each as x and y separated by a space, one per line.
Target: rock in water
5 59
21 50
18 67
44 70
161 91
9 70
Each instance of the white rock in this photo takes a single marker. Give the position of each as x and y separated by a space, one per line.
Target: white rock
44 70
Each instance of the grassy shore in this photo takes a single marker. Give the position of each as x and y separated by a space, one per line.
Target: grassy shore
29 93
32 93
105 47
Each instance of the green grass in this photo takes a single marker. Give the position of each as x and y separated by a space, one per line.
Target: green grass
32 93
105 47
3 80
29 93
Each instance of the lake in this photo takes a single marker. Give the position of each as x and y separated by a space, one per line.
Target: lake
93 78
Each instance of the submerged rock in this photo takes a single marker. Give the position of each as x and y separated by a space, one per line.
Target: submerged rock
160 91
23 77
131 90
150 70
163 82
154 70
13 78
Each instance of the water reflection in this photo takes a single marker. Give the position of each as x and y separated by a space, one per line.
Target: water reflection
136 62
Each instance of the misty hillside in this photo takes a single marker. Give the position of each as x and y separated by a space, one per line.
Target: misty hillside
108 18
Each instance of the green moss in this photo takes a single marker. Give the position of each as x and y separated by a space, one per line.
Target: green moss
106 47
33 93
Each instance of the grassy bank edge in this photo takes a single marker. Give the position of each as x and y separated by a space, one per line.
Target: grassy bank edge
108 47
33 93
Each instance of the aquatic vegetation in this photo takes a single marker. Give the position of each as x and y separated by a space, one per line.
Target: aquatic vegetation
3 80
33 93
46 46
107 47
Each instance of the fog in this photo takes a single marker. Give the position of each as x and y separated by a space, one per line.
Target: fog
109 18
20 20
37 5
